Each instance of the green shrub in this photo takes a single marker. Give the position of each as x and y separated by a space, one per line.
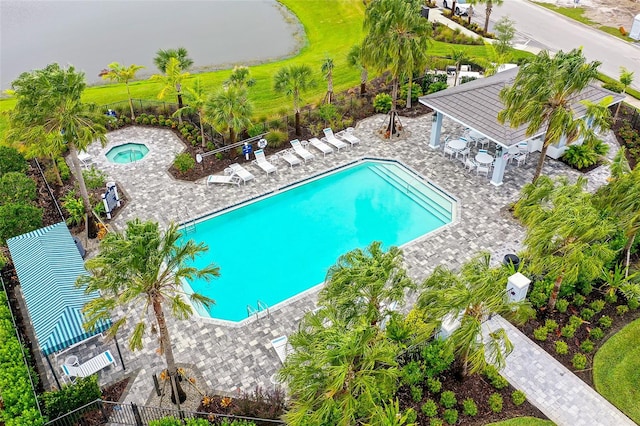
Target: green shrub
434 385
429 408
580 156
598 305
561 347
540 333
575 321
184 162
435 422
412 374
551 325
495 402
568 331
494 377
579 361
611 298
94 178
328 112
539 294
596 333
70 397
11 161
256 130
437 357
416 91
469 407
586 314
518 397
412 416
633 303
585 288
448 399
75 207
276 138
622 309
605 321
450 416
17 219
587 346
16 187
382 103
63 169
562 305
467 78
578 300
614 86
167 421
416 393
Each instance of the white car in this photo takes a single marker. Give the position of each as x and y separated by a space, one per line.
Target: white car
462 7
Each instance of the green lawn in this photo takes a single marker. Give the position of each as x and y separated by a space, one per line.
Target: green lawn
616 370
332 27
523 421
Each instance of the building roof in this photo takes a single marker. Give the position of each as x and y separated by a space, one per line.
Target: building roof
476 105
48 263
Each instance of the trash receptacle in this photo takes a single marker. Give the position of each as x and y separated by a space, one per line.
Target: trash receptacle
511 259
425 12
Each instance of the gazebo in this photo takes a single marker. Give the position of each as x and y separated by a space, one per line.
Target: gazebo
48 263
476 105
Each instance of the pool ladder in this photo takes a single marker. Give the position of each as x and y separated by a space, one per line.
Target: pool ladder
260 307
189 225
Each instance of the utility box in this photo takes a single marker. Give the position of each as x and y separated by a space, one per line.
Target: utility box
450 323
517 287
424 12
635 28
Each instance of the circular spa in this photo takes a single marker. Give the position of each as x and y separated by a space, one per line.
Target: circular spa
127 153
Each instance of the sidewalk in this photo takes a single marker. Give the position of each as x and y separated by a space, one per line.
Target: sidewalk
435 15
551 387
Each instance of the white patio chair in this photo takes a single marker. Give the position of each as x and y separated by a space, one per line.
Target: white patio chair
241 172
470 164
281 346
232 179
261 161
448 151
290 158
317 143
302 151
332 140
483 168
85 159
90 367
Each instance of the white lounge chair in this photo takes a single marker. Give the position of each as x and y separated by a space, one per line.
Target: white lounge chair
281 346
90 367
290 158
234 179
317 143
349 137
332 140
261 161
241 172
85 158
301 151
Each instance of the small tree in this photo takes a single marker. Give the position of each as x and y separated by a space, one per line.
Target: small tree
489 7
458 56
505 29
294 80
171 80
123 74
354 59
327 73
240 76
229 109
163 56
626 78
196 101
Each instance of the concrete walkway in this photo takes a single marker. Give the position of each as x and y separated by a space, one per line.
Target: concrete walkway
551 387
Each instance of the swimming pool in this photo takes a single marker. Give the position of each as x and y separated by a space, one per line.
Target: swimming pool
127 153
277 247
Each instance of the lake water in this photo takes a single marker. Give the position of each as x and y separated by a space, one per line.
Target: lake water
90 34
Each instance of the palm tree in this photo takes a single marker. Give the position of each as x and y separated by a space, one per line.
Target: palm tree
196 101
354 59
567 236
240 76
293 80
543 93
489 7
472 296
458 56
626 78
49 112
163 56
123 74
171 80
397 40
327 73
144 267
229 109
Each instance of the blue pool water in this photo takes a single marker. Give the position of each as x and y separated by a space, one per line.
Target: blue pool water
282 245
127 153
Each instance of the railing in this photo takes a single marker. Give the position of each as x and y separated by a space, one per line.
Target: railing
104 412
234 145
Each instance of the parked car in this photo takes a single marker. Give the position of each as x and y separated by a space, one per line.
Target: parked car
462 7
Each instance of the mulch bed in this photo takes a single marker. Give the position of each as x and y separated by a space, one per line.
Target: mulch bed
627 113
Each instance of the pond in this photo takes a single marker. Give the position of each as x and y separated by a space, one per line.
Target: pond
91 34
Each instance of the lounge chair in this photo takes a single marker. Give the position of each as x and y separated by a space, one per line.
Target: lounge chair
290 158
281 346
301 151
349 137
90 367
326 149
262 162
241 172
85 158
332 140
234 179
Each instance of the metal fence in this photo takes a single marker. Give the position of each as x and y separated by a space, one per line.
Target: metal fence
117 413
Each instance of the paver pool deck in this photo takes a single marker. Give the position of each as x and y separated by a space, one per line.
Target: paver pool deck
240 357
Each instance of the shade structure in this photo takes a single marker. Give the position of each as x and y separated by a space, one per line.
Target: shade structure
48 263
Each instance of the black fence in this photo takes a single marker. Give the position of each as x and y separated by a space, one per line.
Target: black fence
633 118
101 412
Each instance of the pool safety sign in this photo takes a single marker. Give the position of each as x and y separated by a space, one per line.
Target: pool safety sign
110 198
246 150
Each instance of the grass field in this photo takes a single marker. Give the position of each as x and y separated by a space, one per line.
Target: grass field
616 370
523 421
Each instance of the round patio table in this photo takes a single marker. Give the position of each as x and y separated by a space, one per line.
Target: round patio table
484 158
457 144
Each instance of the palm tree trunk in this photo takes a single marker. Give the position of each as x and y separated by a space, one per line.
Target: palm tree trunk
391 128
133 116
554 293
297 115
628 252
543 154
177 394
92 232
486 19
453 8
615 116
232 135
329 89
364 76
204 142
296 108
409 94
56 170
455 81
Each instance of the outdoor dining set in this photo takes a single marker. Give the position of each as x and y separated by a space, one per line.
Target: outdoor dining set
473 150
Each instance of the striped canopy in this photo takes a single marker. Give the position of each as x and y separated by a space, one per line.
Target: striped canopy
48 263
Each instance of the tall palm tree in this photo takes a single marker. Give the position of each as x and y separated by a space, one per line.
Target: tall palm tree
397 39
196 101
354 59
123 74
142 269
472 296
626 78
543 94
229 109
567 236
458 56
489 7
161 60
240 76
327 73
293 80
49 112
171 80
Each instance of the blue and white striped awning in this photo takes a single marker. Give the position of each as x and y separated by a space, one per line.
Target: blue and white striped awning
48 263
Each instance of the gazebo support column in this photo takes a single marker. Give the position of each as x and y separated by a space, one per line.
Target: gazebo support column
436 128
499 166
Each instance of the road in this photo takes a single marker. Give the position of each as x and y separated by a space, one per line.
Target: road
542 28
